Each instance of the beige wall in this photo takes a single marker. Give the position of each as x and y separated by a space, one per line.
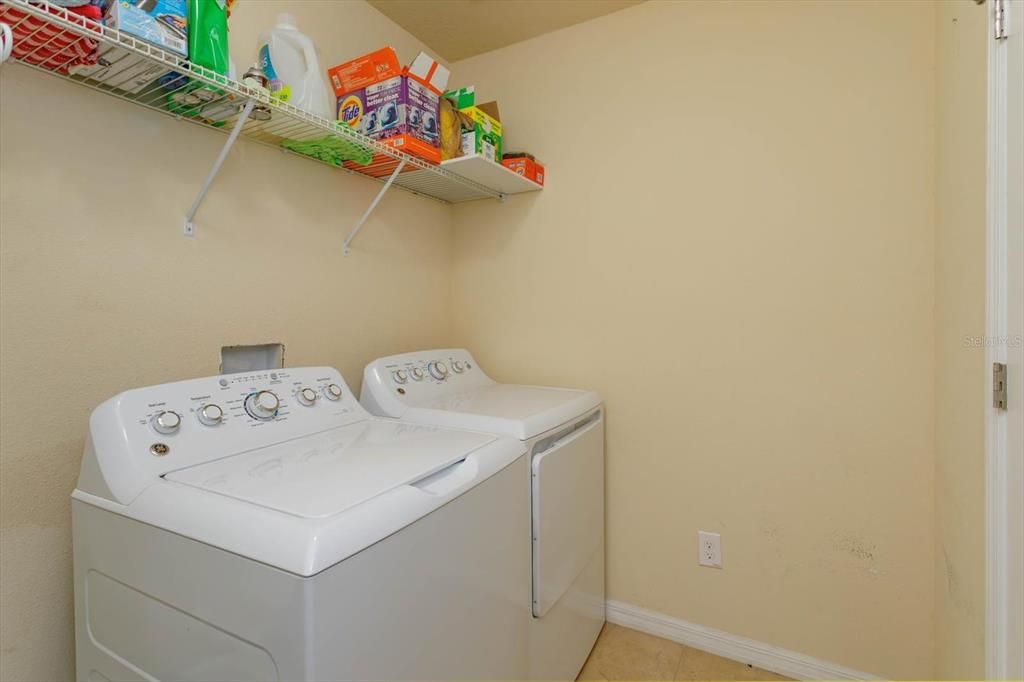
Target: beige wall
735 247
960 400
102 293
741 246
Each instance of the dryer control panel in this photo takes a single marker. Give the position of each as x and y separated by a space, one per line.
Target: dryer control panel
142 434
413 378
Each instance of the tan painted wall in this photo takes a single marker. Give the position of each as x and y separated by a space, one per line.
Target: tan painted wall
736 248
794 282
960 400
102 293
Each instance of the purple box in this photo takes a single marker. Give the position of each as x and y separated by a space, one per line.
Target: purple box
393 107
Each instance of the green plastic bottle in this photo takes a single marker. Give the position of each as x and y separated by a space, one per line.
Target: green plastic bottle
208 34
208 48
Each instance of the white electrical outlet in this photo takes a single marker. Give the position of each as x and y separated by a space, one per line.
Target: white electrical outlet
709 547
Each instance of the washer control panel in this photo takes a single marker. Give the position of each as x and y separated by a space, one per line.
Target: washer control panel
147 432
249 399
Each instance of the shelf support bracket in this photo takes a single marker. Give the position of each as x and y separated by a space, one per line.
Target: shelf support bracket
190 230
373 205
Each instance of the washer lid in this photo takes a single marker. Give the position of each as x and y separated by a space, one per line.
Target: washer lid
305 505
505 409
324 474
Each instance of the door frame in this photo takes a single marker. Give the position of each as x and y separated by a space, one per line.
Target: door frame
1004 438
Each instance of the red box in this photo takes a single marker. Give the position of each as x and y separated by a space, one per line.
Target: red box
525 166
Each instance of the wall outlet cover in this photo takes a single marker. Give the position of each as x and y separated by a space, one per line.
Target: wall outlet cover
709 549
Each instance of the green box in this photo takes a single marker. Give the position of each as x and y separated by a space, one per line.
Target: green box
463 98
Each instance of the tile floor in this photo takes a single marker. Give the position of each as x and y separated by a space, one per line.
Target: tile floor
624 654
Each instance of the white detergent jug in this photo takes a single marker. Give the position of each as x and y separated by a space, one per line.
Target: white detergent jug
289 61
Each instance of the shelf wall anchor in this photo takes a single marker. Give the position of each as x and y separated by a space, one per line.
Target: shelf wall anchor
190 230
373 205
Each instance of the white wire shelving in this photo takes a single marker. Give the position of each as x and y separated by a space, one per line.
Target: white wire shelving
44 29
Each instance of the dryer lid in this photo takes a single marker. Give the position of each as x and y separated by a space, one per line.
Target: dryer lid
327 473
505 409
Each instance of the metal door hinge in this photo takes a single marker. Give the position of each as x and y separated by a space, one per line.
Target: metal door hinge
999 19
999 385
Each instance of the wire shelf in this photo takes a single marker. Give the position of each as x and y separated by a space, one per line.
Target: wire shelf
57 41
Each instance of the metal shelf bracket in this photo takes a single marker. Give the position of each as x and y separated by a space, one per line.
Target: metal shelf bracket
373 205
190 228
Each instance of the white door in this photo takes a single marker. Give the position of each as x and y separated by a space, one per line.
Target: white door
1005 465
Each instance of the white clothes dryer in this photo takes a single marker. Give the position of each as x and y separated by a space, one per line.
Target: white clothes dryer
563 431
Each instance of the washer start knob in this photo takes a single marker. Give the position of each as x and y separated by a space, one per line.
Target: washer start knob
262 405
210 414
166 422
306 396
333 392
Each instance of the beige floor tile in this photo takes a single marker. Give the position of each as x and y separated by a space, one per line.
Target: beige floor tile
624 654
700 665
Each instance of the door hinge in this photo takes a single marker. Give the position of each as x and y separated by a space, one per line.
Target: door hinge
999 19
999 385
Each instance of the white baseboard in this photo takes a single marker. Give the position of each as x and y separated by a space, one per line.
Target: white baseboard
766 656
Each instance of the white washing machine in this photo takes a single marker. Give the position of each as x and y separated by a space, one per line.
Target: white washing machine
563 431
263 526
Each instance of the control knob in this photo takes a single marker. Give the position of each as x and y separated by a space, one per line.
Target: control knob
166 422
333 392
262 405
400 376
438 370
306 396
210 414
416 373
458 366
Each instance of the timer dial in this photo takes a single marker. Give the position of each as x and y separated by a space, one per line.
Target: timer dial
438 370
262 405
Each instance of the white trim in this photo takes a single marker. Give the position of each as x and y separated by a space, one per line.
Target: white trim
775 659
1004 477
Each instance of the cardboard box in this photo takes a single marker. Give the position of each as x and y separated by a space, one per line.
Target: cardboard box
485 137
463 98
160 22
400 107
526 166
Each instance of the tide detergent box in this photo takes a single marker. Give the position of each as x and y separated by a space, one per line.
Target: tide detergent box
160 22
400 107
525 165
